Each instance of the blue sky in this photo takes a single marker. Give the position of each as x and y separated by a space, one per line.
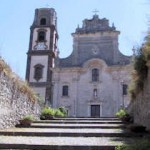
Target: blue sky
16 16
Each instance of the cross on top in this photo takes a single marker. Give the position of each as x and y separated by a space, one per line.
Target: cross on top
95 11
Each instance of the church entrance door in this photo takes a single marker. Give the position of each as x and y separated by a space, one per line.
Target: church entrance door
95 111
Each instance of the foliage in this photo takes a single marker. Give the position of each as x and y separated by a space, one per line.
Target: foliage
140 145
58 113
4 67
25 88
26 121
63 110
124 116
121 113
137 128
49 113
140 69
28 117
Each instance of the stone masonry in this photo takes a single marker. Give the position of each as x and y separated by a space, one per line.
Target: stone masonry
140 107
14 105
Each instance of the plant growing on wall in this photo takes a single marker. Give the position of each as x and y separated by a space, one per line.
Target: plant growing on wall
140 69
4 67
26 120
20 85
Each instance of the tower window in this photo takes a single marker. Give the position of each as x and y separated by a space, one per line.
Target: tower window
38 71
65 89
43 21
41 36
95 75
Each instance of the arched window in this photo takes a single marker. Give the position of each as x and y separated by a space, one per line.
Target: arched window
43 21
65 90
41 36
95 75
38 71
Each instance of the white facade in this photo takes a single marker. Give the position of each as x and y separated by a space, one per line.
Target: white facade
81 96
35 37
93 80
36 60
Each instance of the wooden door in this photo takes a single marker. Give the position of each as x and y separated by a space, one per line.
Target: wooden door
95 111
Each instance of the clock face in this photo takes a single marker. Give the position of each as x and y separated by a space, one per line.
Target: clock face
40 46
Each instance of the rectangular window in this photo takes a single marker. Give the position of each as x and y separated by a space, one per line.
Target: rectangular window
95 75
125 89
38 71
65 89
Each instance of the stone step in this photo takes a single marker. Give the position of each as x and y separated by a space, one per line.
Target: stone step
80 121
77 126
68 134
62 143
48 132
105 118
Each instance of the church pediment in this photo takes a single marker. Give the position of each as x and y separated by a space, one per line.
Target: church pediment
95 62
95 25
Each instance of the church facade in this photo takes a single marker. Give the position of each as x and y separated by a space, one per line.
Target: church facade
92 81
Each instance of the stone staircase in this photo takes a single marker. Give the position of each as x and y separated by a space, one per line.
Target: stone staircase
68 134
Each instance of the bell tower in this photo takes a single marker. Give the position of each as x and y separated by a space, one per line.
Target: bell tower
41 53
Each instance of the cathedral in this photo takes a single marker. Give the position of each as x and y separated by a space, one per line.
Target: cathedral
92 81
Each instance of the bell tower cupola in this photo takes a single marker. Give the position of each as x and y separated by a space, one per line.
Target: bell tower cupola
41 53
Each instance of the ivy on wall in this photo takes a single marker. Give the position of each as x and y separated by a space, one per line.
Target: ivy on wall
140 68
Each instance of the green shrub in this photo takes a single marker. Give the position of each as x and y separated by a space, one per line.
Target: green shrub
47 113
121 113
58 113
25 121
123 147
124 116
28 117
63 110
140 145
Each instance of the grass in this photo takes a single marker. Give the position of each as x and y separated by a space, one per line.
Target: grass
140 145
28 117
18 83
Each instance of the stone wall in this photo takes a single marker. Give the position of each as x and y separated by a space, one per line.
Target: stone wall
140 107
14 104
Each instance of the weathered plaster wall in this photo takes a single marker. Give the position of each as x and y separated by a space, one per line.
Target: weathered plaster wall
81 96
14 105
